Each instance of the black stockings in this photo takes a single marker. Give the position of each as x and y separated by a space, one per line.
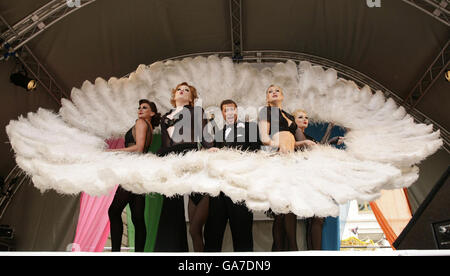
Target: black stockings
314 233
137 207
198 214
284 232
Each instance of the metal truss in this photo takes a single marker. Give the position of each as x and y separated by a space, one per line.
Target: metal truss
439 65
439 9
236 29
37 69
13 181
38 21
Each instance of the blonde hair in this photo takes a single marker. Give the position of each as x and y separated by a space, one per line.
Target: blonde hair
297 111
191 88
267 91
274 85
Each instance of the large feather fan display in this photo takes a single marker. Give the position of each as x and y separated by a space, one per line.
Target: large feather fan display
65 151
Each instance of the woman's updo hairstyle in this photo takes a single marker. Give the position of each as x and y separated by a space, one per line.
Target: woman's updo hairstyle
156 119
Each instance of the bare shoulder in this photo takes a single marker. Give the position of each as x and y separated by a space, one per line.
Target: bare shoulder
141 123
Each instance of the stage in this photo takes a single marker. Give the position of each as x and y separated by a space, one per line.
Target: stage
244 255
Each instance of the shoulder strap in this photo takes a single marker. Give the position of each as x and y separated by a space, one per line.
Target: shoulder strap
149 128
149 131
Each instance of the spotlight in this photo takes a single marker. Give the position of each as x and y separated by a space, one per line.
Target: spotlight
447 75
6 232
7 240
23 80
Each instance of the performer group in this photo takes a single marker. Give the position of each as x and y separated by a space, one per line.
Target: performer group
183 129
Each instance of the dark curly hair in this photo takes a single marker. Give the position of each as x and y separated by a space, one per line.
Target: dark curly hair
156 119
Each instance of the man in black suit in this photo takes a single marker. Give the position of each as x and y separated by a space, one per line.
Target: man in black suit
243 136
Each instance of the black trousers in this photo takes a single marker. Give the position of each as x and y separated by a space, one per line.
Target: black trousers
221 210
172 235
137 207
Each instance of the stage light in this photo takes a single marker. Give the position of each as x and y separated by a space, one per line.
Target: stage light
23 80
7 241
447 75
6 232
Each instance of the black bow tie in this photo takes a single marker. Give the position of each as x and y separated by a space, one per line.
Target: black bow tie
172 122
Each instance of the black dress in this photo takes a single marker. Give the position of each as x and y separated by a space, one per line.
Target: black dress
277 121
131 134
136 201
187 135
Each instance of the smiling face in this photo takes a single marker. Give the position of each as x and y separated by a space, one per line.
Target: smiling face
229 113
145 112
301 119
274 95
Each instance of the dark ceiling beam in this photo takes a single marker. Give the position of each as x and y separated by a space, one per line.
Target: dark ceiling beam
435 71
236 29
438 9
38 21
55 10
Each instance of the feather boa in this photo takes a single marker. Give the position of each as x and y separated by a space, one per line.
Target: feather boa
65 151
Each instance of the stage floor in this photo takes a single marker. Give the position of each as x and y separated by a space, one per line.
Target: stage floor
238 254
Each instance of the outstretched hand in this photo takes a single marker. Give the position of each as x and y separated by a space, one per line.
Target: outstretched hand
309 143
305 143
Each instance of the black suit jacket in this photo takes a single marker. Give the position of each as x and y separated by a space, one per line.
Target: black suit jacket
241 135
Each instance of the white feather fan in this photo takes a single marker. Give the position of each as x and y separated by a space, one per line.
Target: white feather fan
65 151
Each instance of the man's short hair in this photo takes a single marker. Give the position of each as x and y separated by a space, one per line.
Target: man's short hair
228 101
